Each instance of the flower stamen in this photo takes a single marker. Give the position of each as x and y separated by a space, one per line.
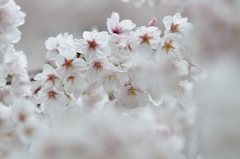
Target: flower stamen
145 39
51 77
71 78
67 63
168 46
98 66
92 44
131 92
174 28
112 77
51 95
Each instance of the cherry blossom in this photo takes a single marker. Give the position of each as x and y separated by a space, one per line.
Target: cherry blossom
115 80
170 43
52 99
108 95
94 45
116 27
60 41
98 68
145 39
28 130
67 62
22 110
132 97
49 77
177 25
74 83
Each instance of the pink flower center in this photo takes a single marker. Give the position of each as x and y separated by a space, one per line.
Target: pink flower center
67 63
116 31
174 28
52 95
145 39
22 117
71 78
92 44
98 65
51 77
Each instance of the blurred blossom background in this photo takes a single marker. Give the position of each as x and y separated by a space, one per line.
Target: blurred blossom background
216 48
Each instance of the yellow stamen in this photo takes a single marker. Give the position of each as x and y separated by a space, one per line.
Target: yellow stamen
131 92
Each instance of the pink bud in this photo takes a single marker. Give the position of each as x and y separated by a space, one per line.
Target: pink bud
153 22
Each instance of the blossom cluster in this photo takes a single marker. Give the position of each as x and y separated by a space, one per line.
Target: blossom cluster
218 33
116 65
14 81
122 93
12 63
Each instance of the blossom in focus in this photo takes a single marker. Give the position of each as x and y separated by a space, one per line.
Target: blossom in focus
67 63
98 68
177 25
53 44
53 100
170 45
49 77
94 45
145 39
116 27
74 83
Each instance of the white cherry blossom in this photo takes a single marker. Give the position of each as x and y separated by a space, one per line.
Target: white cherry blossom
28 130
177 25
53 44
22 110
145 39
67 63
116 27
131 97
74 84
109 95
54 100
49 77
114 81
98 68
170 45
94 45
